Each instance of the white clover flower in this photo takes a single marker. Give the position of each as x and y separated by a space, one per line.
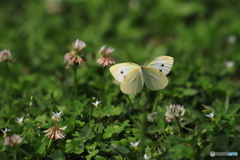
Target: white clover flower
174 111
229 64
56 117
53 6
96 104
102 50
106 60
146 156
211 115
78 45
5 55
20 120
5 131
135 144
105 51
134 4
110 50
231 39
13 140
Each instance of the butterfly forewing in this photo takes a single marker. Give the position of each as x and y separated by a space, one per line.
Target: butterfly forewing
153 78
133 82
119 71
132 77
162 63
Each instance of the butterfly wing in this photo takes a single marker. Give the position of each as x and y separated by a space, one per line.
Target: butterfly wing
119 71
162 63
153 78
133 82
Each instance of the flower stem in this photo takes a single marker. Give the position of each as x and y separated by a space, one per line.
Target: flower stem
51 101
75 81
142 133
9 80
15 155
179 127
129 110
102 84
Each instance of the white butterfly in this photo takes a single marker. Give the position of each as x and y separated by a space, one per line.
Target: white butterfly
132 76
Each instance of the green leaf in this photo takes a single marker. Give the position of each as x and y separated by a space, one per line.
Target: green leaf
58 155
27 149
221 142
160 120
124 142
87 133
100 128
107 135
80 123
153 129
116 128
39 147
232 110
220 110
189 92
69 146
226 103
107 111
178 150
180 92
189 152
93 153
3 155
92 123
41 118
122 149
206 150
207 125
76 107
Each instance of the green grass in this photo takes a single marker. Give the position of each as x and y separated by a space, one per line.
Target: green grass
194 33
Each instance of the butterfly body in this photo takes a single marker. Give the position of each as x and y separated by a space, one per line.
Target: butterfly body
133 77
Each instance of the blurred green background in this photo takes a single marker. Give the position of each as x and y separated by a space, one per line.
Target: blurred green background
201 35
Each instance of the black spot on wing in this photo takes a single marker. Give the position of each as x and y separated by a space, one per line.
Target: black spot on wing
121 72
160 70
162 65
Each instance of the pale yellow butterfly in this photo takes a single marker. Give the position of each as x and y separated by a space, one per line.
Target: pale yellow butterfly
133 77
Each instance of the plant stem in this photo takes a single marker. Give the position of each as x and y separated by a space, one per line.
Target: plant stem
130 104
179 127
75 81
9 79
51 101
102 84
142 133
15 155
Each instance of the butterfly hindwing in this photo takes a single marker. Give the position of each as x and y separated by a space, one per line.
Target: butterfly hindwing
162 63
119 71
133 82
153 78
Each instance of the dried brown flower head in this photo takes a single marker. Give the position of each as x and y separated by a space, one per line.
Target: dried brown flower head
55 132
